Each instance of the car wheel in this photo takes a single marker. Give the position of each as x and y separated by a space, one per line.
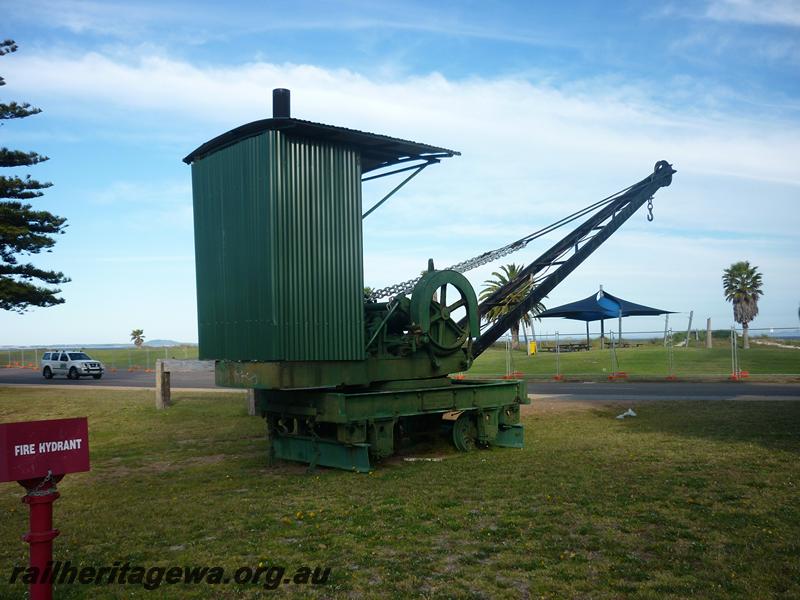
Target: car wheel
97 376
73 373
48 373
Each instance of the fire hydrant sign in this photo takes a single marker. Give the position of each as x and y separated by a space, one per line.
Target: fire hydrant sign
33 448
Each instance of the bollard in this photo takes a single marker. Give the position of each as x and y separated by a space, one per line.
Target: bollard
163 399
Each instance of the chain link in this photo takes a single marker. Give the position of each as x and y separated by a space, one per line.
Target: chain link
43 489
462 267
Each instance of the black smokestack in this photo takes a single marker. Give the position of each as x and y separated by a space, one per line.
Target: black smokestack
281 104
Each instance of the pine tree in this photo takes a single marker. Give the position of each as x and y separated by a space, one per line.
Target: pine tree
23 230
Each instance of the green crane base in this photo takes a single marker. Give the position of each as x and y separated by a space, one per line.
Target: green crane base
349 429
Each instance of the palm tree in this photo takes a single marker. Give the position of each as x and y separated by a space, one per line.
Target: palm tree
137 337
507 274
742 285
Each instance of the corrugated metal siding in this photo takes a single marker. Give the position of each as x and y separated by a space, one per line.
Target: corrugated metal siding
279 251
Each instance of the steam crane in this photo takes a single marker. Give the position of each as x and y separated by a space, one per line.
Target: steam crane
341 379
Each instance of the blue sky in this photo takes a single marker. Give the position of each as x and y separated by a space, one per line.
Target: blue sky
553 106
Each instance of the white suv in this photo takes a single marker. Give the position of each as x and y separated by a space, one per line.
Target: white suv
71 363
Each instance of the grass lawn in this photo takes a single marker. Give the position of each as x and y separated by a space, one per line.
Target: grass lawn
690 499
650 361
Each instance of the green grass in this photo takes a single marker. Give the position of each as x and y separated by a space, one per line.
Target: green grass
686 500
647 362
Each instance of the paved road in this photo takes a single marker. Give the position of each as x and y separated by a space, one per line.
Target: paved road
118 379
607 392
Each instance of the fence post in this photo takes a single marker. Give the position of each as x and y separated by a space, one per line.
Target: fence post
670 358
735 374
708 333
251 402
163 399
559 376
614 364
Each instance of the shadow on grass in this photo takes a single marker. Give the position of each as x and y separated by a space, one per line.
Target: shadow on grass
773 425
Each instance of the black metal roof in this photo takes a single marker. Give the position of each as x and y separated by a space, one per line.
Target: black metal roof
601 305
376 150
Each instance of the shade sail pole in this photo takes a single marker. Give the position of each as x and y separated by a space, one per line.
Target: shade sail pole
588 344
602 333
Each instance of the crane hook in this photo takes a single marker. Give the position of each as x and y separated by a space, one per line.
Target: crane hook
650 209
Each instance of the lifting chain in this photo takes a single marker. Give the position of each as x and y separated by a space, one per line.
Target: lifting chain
650 209
462 267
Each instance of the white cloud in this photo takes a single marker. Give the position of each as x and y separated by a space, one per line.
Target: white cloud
506 125
127 20
182 22
764 12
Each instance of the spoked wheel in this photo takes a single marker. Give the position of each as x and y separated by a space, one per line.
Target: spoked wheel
465 433
447 326
446 334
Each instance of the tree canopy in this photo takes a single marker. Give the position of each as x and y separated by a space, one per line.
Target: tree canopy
742 286
507 274
23 230
137 337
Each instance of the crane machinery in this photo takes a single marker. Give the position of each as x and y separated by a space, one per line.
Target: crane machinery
341 377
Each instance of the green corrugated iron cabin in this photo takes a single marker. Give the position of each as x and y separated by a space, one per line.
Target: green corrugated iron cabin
278 241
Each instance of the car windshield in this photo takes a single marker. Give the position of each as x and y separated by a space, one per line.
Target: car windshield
78 356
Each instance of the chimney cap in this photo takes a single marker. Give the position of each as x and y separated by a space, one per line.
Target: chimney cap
281 103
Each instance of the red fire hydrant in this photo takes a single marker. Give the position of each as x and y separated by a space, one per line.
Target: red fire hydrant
41 493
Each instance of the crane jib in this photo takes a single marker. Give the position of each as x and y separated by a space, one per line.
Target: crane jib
591 234
659 174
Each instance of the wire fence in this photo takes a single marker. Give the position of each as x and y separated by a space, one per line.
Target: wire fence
113 359
773 353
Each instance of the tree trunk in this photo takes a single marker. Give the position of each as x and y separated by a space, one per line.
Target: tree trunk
515 336
745 337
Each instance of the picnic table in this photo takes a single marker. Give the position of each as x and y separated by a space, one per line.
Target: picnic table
566 347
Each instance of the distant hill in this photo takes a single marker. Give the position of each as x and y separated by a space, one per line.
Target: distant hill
162 343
